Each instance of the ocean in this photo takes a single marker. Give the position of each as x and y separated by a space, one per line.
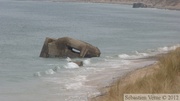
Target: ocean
125 36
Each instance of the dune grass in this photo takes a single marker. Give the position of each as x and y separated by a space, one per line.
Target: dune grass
165 78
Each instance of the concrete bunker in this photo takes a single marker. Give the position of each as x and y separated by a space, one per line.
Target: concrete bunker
68 47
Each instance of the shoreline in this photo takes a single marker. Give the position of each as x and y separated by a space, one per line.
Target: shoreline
130 2
108 77
130 79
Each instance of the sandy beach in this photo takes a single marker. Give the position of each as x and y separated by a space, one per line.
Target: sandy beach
129 78
132 77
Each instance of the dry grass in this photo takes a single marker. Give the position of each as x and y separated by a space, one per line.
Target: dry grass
163 77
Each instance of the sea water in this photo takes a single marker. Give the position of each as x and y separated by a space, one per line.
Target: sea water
124 35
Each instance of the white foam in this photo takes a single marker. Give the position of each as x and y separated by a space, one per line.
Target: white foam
163 49
166 49
74 86
71 65
124 56
49 71
141 54
68 59
135 56
109 57
86 62
80 78
150 53
173 47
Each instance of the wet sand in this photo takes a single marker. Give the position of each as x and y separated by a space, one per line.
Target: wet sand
129 77
104 79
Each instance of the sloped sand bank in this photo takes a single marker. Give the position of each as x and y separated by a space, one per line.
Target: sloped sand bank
160 77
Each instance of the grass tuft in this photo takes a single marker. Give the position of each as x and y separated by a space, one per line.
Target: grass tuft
165 78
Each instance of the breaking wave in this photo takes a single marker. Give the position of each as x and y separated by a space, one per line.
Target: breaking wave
166 49
138 55
49 71
86 62
71 65
135 56
108 61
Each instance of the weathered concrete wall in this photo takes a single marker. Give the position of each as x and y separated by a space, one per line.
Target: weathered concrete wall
68 47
